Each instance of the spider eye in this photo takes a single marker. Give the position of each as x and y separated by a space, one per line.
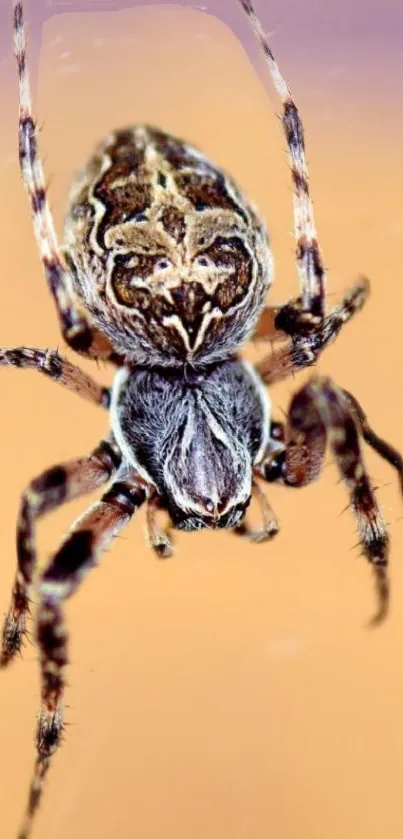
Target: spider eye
203 261
162 264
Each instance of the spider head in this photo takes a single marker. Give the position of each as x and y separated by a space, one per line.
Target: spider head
190 509
190 521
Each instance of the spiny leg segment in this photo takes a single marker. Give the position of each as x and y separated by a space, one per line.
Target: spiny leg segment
379 445
51 364
74 327
89 538
78 333
54 487
270 526
305 318
304 350
322 411
310 309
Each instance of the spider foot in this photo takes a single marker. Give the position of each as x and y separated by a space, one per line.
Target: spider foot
14 634
40 771
355 298
382 589
49 732
162 545
158 538
257 536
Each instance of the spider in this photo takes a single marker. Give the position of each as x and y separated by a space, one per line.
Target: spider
163 273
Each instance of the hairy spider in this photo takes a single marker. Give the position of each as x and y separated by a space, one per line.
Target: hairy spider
164 272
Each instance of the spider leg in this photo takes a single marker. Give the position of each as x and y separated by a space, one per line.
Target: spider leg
266 328
54 487
51 364
159 539
77 331
304 349
321 410
89 538
377 443
270 526
309 309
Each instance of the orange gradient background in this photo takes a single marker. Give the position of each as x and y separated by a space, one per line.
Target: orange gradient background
232 692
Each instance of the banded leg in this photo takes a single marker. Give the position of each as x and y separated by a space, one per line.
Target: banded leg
309 309
379 445
318 411
89 538
76 329
304 350
54 487
51 364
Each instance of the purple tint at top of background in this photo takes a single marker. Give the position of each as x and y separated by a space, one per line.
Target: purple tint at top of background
352 17
364 32
349 42
37 12
309 25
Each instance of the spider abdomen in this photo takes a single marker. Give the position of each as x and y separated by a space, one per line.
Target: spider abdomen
165 252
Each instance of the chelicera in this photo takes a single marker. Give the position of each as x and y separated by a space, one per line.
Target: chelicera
164 273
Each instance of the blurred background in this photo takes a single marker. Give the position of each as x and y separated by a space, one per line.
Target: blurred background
234 691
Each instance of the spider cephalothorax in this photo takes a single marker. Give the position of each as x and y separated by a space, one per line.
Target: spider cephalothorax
163 272
195 436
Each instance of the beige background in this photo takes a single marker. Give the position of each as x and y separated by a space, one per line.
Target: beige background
232 692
